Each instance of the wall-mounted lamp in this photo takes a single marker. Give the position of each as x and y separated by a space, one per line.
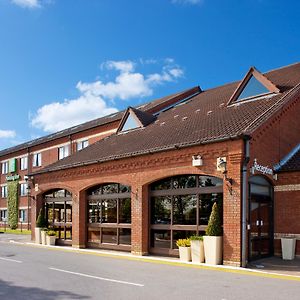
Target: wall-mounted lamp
222 167
197 161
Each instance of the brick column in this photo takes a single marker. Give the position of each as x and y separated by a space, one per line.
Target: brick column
79 225
36 205
139 220
232 213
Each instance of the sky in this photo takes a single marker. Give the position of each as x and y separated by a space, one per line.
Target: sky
65 62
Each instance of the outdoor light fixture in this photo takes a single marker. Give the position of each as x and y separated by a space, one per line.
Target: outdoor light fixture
197 161
222 167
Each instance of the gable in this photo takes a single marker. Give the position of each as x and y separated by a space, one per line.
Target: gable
130 123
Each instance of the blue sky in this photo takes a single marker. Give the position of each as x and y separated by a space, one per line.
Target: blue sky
63 62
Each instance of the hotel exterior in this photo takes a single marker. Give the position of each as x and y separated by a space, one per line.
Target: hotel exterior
140 179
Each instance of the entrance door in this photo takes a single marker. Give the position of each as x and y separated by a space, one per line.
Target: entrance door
261 221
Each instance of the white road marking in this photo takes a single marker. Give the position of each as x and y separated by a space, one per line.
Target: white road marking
96 277
11 260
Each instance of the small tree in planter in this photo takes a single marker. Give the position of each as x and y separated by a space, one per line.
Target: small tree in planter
40 223
184 246
51 237
213 240
197 248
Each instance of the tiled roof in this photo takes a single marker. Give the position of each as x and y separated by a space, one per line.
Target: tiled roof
152 106
293 164
202 119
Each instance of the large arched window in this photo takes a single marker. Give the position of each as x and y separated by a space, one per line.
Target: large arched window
180 206
109 216
58 206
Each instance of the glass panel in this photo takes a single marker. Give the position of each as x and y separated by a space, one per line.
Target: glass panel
209 181
124 189
181 234
265 246
125 236
161 210
164 184
184 182
109 235
253 88
264 219
95 191
205 206
109 211
255 245
259 189
68 212
94 211
161 238
125 210
130 123
94 236
110 188
184 210
254 219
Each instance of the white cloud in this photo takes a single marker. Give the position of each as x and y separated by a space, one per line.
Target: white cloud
27 3
96 98
191 2
4 134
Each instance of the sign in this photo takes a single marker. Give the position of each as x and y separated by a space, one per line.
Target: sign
12 165
260 168
12 177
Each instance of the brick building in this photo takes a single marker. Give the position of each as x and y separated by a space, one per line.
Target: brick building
154 177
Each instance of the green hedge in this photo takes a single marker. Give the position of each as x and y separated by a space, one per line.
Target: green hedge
13 204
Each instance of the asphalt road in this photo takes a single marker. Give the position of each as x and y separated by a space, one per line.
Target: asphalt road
28 272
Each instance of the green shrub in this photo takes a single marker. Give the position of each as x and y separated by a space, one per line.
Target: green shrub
214 227
51 233
183 243
196 238
12 204
41 221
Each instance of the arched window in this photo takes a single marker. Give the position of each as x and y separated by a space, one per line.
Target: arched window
180 206
109 216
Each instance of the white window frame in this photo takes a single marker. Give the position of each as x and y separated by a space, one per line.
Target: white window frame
23 189
37 159
63 152
3 214
5 167
4 191
82 144
22 215
24 163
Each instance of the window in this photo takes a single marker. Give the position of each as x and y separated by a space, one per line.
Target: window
23 189
4 191
37 160
82 144
5 167
253 88
130 123
63 152
22 215
3 215
24 163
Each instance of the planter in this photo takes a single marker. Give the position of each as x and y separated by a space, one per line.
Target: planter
213 246
185 253
50 240
288 246
37 233
43 237
197 250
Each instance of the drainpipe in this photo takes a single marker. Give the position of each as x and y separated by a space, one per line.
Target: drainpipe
244 199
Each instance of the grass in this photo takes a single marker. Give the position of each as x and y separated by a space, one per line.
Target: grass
15 231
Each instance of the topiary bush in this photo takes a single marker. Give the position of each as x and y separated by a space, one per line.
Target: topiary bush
13 204
214 227
41 221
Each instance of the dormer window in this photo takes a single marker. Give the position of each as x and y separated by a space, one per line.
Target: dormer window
254 85
134 119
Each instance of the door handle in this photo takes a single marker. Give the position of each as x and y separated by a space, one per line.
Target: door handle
261 223
257 222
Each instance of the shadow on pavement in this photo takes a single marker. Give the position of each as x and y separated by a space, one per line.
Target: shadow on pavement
10 291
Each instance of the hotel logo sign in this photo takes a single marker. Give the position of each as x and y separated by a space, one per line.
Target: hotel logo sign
260 168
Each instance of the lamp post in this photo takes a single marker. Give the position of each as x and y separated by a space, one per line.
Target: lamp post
28 204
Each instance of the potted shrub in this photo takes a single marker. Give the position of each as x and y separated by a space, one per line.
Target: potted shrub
51 237
40 223
197 248
184 246
43 235
288 247
213 240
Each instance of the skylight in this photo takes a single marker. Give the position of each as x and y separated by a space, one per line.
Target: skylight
130 123
253 88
